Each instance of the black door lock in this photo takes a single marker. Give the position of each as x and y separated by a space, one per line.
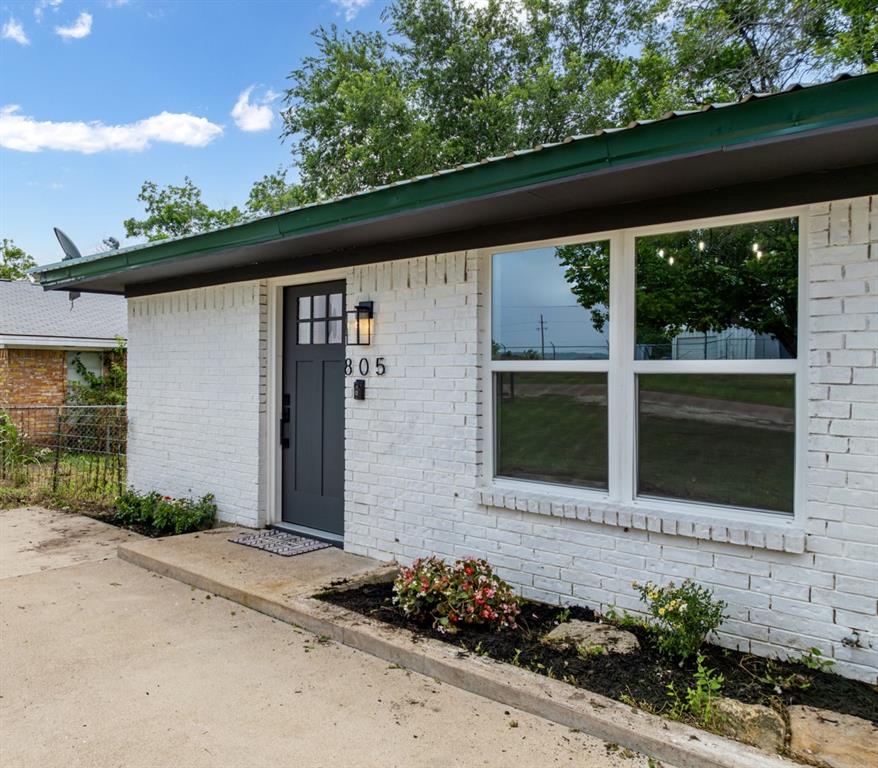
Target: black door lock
359 389
285 419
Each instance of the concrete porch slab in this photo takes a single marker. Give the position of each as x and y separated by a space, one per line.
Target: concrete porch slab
34 539
282 590
209 558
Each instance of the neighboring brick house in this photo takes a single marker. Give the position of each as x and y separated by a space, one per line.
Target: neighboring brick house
498 407
40 335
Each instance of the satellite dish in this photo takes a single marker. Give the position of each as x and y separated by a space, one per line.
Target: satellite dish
70 250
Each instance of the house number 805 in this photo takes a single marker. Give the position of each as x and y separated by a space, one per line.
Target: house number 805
363 366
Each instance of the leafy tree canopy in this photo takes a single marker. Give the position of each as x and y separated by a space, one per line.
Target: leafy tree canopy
449 82
177 210
14 262
273 194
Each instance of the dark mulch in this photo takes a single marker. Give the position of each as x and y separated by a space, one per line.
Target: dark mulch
640 677
111 519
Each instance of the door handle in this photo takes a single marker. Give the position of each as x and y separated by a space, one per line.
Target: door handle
284 419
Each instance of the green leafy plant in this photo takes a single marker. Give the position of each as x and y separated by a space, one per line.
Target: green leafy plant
781 678
682 616
699 699
814 660
16 453
164 514
465 593
109 388
586 652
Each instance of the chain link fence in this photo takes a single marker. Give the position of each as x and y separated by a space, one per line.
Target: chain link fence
71 454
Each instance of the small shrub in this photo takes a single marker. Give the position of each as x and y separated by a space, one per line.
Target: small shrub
468 592
133 508
698 700
683 616
164 514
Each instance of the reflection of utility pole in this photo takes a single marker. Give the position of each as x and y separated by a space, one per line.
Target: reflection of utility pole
542 337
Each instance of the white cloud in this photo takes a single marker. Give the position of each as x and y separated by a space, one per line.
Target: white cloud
78 29
25 134
350 8
254 116
13 30
40 7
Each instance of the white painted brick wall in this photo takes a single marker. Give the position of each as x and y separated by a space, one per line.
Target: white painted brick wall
196 393
414 480
414 466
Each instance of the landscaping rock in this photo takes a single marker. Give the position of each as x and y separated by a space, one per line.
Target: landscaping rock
830 739
588 635
754 724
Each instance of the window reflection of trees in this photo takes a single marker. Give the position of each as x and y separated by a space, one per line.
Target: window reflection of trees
709 281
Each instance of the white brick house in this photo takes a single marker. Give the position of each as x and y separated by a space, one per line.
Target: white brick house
463 445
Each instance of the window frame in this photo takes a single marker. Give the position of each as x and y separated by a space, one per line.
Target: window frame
622 371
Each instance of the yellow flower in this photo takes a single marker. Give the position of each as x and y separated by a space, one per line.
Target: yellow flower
661 611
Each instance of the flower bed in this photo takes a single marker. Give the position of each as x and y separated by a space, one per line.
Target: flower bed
641 678
154 515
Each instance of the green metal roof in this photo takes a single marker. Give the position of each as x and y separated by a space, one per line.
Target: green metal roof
758 118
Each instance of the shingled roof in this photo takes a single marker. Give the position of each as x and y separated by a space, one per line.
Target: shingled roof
28 314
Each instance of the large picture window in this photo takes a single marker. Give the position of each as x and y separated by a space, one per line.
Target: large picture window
697 397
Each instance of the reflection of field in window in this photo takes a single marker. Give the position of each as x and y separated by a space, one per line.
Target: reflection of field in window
722 439
552 427
539 309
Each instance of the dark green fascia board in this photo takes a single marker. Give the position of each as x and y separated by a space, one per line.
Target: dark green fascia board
760 119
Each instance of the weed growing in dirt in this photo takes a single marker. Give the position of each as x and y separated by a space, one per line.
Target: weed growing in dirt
698 700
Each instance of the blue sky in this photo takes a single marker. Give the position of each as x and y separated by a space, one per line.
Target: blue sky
83 89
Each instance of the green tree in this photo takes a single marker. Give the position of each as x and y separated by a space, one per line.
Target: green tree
273 194
14 261
447 82
450 83
177 210
853 34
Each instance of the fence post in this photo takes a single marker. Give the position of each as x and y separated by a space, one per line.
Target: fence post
57 452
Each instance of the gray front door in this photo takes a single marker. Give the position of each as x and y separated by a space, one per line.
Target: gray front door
312 407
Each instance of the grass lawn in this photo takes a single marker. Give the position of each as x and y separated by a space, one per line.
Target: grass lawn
82 479
553 439
556 438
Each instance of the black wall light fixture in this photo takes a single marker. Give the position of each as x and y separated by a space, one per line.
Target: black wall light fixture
360 324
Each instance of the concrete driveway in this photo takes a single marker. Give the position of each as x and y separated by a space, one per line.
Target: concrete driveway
105 664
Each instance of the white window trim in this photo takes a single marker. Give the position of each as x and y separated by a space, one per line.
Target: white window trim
621 500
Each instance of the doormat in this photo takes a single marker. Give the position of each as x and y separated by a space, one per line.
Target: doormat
279 542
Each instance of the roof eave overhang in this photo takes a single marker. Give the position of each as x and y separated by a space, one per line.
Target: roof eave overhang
819 130
15 341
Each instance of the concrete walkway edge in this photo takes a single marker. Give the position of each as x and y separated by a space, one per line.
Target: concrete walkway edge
675 743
